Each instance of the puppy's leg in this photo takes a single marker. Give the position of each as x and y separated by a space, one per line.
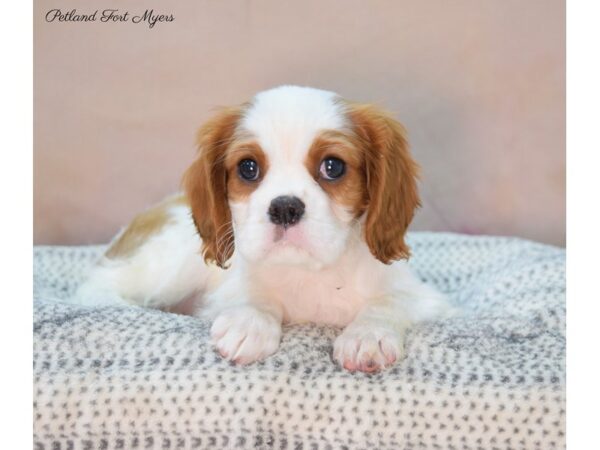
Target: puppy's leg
154 262
246 334
244 329
101 286
374 340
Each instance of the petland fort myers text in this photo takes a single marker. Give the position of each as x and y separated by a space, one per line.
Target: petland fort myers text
149 16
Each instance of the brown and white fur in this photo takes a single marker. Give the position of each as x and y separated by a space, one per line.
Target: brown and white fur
341 263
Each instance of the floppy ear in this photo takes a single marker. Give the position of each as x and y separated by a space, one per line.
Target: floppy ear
205 185
391 180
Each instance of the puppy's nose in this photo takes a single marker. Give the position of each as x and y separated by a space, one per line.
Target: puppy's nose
286 210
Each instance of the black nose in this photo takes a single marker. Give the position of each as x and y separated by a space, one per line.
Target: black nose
286 210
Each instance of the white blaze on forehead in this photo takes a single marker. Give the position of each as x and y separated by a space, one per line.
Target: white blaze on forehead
285 120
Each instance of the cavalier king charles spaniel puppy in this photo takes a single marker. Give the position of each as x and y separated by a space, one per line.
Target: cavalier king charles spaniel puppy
295 210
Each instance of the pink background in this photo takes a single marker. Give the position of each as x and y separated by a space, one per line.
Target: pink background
480 85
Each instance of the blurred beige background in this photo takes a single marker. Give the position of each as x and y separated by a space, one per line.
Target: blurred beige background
480 86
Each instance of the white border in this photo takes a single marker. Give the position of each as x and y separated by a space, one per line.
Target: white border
16 28
583 225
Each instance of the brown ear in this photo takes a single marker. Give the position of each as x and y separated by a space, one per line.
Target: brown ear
205 185
391 180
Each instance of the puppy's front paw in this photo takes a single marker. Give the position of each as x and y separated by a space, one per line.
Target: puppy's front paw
368 347
245 334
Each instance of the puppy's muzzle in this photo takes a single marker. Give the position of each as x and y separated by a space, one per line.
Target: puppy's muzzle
286 210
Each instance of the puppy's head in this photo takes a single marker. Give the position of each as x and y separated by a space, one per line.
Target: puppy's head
296 174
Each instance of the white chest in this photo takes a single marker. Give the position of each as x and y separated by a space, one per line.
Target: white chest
330 296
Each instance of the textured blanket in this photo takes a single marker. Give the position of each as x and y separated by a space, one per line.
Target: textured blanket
133 378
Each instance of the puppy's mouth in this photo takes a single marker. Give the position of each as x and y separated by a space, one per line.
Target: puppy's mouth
288 237
291 246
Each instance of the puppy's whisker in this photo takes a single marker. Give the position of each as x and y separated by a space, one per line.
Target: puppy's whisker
229 223
225 242
226 250
224 238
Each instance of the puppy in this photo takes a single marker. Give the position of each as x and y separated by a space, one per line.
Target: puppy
295 210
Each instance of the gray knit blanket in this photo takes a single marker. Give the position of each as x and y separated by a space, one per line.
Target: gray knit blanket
134 378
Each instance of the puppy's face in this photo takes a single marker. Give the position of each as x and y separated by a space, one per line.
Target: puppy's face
295 175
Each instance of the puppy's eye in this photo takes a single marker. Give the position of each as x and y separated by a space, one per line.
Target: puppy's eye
332 168
248 169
